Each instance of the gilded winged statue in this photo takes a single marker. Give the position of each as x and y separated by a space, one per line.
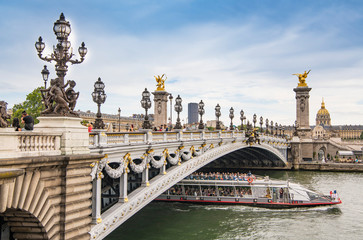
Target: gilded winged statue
302 78
160 82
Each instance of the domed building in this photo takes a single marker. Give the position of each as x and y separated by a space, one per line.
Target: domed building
323 116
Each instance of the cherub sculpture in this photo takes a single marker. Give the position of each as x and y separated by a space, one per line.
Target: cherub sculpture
160 82
302 78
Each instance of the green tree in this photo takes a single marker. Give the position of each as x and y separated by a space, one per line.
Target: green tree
361 135
32 105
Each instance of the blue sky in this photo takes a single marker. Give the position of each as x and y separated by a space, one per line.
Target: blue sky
239 54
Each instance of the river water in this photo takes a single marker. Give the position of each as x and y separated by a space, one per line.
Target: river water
174 221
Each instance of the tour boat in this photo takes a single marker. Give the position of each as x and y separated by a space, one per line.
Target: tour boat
253 191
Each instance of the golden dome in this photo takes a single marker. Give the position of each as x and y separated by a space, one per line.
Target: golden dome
323 110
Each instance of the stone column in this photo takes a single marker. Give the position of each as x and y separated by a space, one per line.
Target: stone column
302 111
160 108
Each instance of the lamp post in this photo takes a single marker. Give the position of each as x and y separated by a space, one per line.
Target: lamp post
45 75
218 114
178 108
283 131
272 127
266 125
61 54
99 97
261 123
201 111
243 117
254 120
231 116
276 127
171 110
280 129
146 104
119 119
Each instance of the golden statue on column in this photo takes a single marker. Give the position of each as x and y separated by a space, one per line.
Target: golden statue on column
302 78
160 82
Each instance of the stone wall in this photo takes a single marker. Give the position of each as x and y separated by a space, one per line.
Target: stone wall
51 199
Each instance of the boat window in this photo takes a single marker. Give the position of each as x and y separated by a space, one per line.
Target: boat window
261 192
226 191
208 190
192 190
312 195
243 191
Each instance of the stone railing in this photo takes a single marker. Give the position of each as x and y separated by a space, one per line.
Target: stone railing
97 138
27 143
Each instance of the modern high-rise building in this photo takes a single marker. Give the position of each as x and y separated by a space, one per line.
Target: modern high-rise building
192 113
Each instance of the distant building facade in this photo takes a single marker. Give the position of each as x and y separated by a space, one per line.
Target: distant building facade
192 113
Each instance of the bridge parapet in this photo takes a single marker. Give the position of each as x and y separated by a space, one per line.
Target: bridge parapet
24 144
103 138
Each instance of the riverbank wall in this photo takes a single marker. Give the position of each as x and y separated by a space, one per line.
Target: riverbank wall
332 167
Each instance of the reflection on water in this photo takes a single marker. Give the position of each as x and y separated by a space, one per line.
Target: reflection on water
184 221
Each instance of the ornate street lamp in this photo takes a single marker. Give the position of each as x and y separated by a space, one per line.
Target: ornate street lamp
261 123
280 129
201 111
146 104
119 119
61 54
231 116
283 131
178 108
127 127
272 127
218 114
254 120
243 117
276 127
45 75
171 110
99 97
266 125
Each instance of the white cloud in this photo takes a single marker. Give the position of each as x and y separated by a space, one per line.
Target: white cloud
244 66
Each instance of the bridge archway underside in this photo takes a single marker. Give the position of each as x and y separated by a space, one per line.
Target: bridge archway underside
248 157
121 211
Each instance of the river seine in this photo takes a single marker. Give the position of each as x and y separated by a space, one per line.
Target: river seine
174 221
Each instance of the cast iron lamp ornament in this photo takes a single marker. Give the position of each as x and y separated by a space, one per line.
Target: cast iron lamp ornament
231 116
261 123
276 127
280 129
59 101
218 114
254 120
99 97
60 55
146 104
242 119
178 108
45 75
272 127
201 111
267 125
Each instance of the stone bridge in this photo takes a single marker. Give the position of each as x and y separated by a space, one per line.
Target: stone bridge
159 160
60 182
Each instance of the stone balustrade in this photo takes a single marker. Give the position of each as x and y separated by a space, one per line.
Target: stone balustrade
97 138
29 143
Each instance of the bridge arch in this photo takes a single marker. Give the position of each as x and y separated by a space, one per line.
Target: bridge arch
26 209
121 211
250 156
